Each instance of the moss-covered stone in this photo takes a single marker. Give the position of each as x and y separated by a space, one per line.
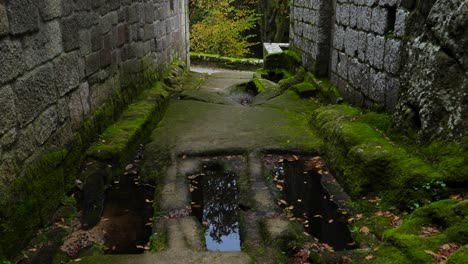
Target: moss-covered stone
36 194
367 161
225 62
459 257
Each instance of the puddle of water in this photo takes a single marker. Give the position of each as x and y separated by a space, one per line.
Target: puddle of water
126 218
215 201
310 203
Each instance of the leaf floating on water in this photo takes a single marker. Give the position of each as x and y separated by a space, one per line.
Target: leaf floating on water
129 166
318 216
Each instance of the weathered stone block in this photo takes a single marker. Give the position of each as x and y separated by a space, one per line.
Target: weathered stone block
344 16
106 22
7 109
8 139
392 56
106 51
43 45
34 92
92 63
351 42
400 22
378 86
375 50
63 113
76 109
26 145
23 16
362 46
85 42
49 9
390 3
379 22
343 66
70 33
96 39
67 7
353 15
364 18
11 60
45 125
122 35
67 72
148 31
334 61
4 27
372 2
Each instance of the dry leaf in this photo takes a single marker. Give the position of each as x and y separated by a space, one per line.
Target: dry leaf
279 187
369 257
77 260
295 157
129 166
330 221
364 230
282 202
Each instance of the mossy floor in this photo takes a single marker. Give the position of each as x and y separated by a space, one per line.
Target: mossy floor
203 121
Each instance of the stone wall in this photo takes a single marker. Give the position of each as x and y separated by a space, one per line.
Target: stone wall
67 69
384 53
62 59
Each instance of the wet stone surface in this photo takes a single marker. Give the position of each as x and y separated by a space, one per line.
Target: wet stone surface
304 199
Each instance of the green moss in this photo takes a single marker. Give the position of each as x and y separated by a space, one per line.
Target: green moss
459 257
287 60
225 62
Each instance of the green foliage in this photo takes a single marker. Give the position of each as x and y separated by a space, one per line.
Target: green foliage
223 28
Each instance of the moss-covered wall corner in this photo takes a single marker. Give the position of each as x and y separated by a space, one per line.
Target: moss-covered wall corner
29 201
371 158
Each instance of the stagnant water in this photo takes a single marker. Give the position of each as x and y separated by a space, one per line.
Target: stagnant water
310 203
215 201
126 218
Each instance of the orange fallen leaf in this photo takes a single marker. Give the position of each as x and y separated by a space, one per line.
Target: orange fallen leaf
364 230
279 187
295 157
369 257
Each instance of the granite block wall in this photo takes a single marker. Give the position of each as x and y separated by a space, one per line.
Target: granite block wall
408 57
60 60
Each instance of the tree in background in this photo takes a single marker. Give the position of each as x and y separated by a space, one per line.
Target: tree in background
222 27
274 24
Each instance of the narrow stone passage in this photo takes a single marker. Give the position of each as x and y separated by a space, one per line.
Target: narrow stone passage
204 122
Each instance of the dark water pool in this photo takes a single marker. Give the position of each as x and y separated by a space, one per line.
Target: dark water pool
215 201
311 204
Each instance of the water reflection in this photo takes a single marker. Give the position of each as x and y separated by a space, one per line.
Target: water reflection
312 205
215 203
